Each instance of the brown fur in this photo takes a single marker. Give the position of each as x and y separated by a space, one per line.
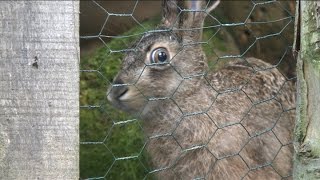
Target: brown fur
233 123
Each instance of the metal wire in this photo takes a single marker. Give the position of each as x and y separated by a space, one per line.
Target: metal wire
113 145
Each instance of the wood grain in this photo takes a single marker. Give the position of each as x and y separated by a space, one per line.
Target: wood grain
39 89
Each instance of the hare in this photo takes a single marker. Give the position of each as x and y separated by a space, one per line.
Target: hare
233 123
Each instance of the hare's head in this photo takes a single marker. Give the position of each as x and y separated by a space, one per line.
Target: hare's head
164 57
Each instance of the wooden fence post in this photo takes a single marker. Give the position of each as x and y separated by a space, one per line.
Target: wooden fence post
39 89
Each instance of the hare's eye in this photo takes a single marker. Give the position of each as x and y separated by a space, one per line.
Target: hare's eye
159 55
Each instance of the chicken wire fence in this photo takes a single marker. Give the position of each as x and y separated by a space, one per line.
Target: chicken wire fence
116 145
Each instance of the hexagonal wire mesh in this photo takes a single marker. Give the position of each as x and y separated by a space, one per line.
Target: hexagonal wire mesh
231 119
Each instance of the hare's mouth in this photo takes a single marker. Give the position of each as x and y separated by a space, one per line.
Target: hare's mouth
117 92
125 98
122 94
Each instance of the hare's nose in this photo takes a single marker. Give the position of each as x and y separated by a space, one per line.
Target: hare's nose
118 90
118 81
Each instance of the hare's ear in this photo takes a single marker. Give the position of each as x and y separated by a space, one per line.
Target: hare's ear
170 12
193 15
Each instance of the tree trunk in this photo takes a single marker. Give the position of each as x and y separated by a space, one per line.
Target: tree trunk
39 89
307 133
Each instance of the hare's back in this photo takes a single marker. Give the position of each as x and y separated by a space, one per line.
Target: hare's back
259 80
254 112
251 95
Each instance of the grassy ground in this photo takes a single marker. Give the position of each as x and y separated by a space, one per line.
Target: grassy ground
105 140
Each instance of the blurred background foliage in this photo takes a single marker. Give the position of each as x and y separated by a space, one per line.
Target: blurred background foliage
105 139
112 143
